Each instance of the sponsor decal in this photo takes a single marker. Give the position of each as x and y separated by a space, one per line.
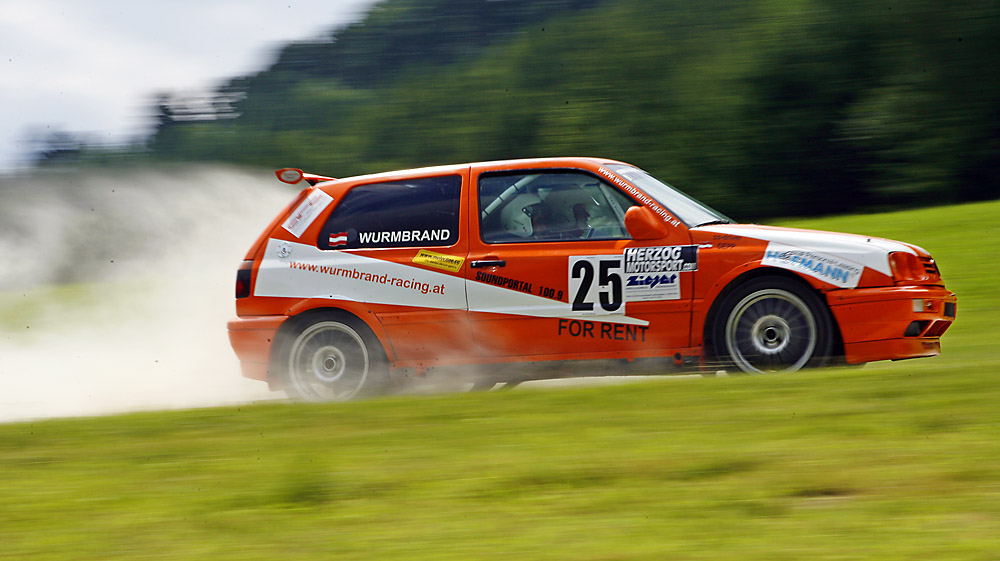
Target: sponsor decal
518 285
828 268
365 276
316 273
338 239
725 241
675 258
651 282
307 211
656 208
653 273
611 331
503 282
405 236
549 292
452 263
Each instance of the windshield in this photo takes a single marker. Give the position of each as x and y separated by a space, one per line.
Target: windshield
691 212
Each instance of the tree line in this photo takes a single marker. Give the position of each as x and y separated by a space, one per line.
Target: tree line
760 108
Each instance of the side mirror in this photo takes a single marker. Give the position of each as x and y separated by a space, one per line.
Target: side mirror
643 224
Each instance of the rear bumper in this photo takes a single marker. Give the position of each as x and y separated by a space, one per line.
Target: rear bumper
892 323
251 338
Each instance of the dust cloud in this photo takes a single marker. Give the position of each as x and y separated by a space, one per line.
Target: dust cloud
115 288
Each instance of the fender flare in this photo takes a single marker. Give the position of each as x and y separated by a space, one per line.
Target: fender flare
360 310
700 323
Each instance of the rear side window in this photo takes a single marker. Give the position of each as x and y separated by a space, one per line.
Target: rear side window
410 213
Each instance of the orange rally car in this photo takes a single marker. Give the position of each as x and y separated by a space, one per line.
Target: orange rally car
360 281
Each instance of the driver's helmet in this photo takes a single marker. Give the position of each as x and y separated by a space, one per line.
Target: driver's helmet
519 216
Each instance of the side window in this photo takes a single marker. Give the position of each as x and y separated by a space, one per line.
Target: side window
550 206
410 213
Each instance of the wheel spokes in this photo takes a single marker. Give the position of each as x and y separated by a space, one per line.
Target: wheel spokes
771 330
329 361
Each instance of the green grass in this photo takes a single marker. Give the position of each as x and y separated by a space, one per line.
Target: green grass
896 461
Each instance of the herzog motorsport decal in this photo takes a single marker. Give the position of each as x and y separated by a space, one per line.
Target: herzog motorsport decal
653 273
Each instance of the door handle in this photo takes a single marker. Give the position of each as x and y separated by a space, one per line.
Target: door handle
479 264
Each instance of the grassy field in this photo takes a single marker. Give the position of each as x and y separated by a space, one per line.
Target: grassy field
895 461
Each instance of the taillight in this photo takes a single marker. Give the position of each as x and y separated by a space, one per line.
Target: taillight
243 279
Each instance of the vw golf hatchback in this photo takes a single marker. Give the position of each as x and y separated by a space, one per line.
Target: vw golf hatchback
363 280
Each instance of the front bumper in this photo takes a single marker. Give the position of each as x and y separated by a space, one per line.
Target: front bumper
252 338
892 323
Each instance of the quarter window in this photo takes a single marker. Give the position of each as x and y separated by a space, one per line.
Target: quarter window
550 206
411 213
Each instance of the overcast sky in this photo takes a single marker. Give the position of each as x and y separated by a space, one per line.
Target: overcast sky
92 66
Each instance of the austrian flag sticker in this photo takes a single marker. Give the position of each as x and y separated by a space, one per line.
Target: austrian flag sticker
338 239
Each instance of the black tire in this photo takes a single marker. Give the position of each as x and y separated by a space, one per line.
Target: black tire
331 357
773 324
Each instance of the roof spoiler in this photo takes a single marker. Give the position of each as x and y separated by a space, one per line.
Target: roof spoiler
292 176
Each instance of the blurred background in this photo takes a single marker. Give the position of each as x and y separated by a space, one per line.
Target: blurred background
762 108
137 143
136 140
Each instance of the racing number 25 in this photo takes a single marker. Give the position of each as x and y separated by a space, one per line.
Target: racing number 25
608 291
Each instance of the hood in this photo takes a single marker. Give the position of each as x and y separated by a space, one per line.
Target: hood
850 252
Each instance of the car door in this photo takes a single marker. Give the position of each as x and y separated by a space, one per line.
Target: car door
554 274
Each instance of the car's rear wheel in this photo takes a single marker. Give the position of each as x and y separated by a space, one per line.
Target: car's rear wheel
332 357
773 324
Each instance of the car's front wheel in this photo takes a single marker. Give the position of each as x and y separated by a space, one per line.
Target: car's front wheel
773 324
332 357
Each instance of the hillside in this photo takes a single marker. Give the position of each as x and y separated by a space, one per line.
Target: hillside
895 461
763 108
